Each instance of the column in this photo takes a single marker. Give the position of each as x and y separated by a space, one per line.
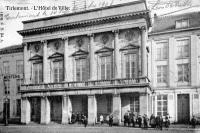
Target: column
68 73
45 62
27 64
25 110
143 50
92 109
194 60
144 104
93 67
117 109
45 110
117 58
66 109
172 71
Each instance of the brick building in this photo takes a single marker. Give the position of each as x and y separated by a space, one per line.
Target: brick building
93 62
11 62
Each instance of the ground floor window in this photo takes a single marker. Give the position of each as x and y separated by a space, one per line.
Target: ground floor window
134 104
162 105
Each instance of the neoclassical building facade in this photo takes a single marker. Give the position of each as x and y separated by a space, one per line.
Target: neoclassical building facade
175 66
92 62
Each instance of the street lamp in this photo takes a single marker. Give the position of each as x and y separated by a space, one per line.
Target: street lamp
6 104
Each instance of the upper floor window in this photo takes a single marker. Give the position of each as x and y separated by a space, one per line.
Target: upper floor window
7 86
58 71
130 65
18 84
81 74
182 23
19 66
105 69
183 48
6 67
162 74
162 49
37 73
183 72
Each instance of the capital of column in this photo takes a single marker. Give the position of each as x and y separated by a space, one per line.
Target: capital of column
65 38
116 31
143 28
43 41
91 34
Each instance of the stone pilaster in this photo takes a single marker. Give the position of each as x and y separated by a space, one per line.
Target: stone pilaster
172 71
68 70
92 109
27 64
143 103
25 111
45 62
143 50
194 60
117 108
93 67
45 110
66 109
117 58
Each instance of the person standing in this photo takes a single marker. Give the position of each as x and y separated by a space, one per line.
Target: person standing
140 121
161 122
167 121
101 119
193 121
110 120
145 119
85 121
153 121
133 120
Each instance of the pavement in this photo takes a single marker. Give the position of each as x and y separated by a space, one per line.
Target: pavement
76 128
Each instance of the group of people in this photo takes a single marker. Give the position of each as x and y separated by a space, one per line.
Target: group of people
143 121
79 118
109 119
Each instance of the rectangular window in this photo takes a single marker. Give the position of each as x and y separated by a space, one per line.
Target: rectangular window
162 102
19 67
18 105
105 69
6 67
162 74
81 74
134 104
183 48
37 73
58 71
130 65
19 82
162 50
7 86
182 23
183 73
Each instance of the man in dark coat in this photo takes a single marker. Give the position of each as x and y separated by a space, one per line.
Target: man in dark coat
145 119
85 121
157 121
153 121
161 122
110 120
140 121
193 121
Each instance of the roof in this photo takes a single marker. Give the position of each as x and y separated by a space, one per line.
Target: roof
11 49
167 23
136 9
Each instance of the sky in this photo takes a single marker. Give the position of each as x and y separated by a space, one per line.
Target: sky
32 9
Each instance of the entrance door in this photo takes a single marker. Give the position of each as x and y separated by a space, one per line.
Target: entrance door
56 108
183 108
35 109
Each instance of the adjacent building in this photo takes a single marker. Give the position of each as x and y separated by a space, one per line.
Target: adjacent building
91 62
11 78
174 43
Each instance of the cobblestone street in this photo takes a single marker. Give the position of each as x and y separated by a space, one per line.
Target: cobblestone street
89 129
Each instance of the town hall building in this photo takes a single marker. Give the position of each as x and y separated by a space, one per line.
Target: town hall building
91 62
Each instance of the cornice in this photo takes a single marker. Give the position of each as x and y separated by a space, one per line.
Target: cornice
85 23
